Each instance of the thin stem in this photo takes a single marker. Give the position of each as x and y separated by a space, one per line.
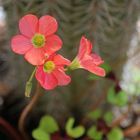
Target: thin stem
132 130
10 129
26 112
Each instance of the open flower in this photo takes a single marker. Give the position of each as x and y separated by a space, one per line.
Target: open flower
87 60
37 40
52 72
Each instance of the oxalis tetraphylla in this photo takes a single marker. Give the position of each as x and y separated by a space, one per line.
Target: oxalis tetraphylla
39 43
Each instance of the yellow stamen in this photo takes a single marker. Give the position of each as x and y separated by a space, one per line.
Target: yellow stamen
38 40
49 66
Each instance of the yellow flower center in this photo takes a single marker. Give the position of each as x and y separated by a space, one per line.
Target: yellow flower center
49 66
38 40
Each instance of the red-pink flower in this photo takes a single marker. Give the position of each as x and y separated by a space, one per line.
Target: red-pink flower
52 73
37 39
88 60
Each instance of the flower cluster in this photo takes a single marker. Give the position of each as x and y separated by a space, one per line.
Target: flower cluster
39 44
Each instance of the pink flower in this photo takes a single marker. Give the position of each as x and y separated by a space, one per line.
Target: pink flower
87 60
52 72
37 40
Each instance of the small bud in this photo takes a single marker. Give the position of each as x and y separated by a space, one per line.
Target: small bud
28 89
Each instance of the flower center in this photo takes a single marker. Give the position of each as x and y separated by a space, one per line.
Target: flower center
49 66
38 40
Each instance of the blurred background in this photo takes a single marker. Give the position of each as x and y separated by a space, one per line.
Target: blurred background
113 26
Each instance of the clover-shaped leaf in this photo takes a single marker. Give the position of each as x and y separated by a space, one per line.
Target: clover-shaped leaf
111 96
94 134
95 114
108 117
115 134
122 98
39 134
48 124
119 99
75 132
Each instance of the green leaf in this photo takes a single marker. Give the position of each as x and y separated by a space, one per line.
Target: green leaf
48 124
111 96
115 134
74 132
108 117
94 134
122 98
95 114
93 77
119 99
39 134
106 67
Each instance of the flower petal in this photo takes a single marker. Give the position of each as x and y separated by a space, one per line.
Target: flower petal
28 25
90 66
47 25
97 60
50 82
62 78
60 60
82 48
20 44
35 56
53 44
85 48
47 81
40 75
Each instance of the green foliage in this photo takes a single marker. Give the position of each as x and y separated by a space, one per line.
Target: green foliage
111 95
122 98
94 134
93 77
39 134
108 117
119 99
74 132
95 114
48 124
115 134
106 67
